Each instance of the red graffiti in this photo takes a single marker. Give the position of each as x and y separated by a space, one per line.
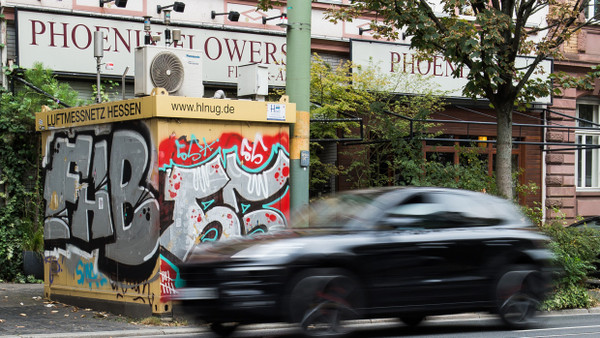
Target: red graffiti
167 281
251 153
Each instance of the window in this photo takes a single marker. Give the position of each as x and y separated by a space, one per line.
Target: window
587 159
441 210
592 8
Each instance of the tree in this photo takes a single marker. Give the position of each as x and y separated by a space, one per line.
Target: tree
487 42
387 153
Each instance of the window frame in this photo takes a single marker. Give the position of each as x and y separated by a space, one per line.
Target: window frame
593 6
582 156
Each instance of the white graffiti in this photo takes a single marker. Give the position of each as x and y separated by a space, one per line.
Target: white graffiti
230 217
167 285
249 153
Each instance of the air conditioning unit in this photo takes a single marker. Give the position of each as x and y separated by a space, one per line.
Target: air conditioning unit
179 71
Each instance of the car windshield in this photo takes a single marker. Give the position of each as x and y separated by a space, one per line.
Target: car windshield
342 211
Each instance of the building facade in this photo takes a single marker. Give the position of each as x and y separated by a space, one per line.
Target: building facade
573 186
60 35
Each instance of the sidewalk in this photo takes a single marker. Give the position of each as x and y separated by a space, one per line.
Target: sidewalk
24 313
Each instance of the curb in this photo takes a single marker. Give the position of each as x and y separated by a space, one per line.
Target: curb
115 333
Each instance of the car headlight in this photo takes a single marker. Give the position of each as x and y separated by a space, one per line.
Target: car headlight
273 250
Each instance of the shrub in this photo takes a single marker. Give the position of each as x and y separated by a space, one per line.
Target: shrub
576 250
21 211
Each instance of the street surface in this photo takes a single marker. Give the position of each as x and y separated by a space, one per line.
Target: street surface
24 313
553 325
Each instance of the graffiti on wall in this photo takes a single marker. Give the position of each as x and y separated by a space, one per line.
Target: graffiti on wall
87 273
108 219
217 189
99 199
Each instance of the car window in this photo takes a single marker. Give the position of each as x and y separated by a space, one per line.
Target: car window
419 211
471 209
593 222
343 211
438 210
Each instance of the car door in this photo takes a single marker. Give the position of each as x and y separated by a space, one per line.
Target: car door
460 238
401 255
424 255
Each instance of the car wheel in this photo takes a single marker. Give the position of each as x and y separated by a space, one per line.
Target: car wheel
223 329
322 301
517 300
412 320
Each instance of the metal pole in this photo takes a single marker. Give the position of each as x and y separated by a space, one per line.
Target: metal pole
98 54
123 81
298 90
98 64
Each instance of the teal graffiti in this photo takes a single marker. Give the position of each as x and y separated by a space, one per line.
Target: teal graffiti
207 204
244 207
210 239
195 156
178 281
86 273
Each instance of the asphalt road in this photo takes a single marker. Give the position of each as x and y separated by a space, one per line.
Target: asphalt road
24 313
553 325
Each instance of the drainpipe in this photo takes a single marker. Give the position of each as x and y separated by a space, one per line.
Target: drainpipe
298 90
544 167
3 50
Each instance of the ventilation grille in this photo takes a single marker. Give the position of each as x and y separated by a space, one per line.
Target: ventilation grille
166 71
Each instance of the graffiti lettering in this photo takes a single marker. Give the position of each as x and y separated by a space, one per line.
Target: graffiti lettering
249 153
87 273
98 197
139 293
239 187
55 268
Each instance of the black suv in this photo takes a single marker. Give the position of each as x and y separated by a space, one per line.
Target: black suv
390 252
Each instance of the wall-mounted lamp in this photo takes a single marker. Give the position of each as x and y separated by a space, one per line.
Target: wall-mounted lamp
118 3
361 30
265 19
231 16
178 6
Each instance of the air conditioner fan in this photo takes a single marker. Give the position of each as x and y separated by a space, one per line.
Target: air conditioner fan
166 71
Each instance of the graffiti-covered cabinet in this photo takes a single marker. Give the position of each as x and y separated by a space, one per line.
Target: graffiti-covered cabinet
131 186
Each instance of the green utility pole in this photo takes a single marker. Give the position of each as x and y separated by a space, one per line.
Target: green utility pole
298 90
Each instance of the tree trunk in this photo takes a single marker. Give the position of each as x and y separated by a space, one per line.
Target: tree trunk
504 151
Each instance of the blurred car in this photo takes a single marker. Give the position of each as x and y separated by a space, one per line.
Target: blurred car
591 223
387 252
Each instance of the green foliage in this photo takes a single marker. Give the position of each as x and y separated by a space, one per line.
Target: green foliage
483 39
568 297
337 93
576 250
565 80
21 214
387 155
470 174
534 212
108 91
